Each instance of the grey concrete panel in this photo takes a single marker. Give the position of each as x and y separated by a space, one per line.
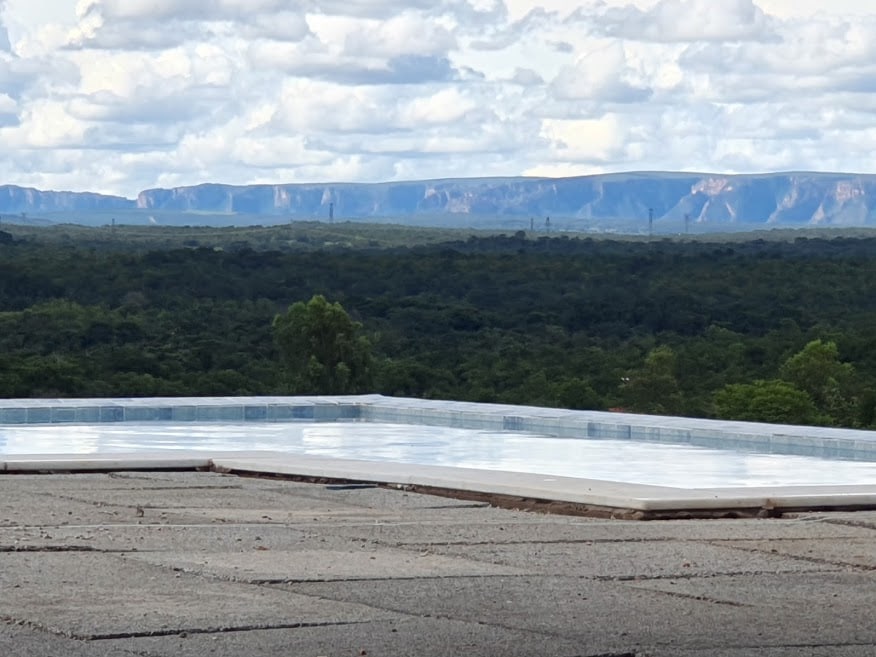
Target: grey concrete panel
86 595
366 495
849 552
223 501
324 565
62 463
20 509
23 641
410 637
821 650
267 514
121 480
606 617
166 537
160 498
619 587
528 486
865 519
501 527
631 560
833 600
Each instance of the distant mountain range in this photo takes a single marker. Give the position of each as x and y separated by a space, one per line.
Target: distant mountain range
624 202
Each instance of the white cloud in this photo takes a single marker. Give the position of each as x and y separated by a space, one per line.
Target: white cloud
586 140
183 9
405 34
5 44
685 20
603 74
121 95
8 110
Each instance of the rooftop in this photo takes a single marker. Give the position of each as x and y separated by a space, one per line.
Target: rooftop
155 564
153 554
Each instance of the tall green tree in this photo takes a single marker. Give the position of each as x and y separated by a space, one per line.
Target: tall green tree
773 401
323 349
817 370
654 387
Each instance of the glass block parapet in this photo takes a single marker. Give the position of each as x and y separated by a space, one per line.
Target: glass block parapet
779 439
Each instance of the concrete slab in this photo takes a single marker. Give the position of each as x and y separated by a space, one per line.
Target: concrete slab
93 596
623 560
19 508
592 495
122 480
488 527
563 585
104 462
324 565
821 650
24 641
517 484
850 552
604 617
225 504
408 637
864 518
164 537
830 597
358 495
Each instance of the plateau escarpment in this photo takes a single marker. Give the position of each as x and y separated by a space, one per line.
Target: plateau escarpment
610 201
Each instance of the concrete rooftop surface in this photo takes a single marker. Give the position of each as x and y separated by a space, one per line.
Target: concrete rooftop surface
157 564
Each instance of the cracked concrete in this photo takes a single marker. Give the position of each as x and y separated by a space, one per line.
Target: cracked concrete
192 564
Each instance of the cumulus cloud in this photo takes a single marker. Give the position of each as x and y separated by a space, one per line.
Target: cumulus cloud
169 9
526 77
5 45
602 75
8 110
683 20
154 25
120 95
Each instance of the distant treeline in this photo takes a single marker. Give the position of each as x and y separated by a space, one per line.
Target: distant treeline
752 330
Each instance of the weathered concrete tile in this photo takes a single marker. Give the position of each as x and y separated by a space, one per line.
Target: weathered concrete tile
163 537
847 552
22 641
226 503
412 637
93 482
789 651
864 519
323 565
628 559
86 595
498 526
819 608
30 509
604 617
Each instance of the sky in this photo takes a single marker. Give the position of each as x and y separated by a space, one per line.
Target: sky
117 96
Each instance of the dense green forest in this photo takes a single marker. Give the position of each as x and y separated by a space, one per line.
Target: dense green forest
781 331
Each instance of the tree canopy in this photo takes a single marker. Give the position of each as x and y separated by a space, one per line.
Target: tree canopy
749 330
323 349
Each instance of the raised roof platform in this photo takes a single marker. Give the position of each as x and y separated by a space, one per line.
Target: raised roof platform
516 489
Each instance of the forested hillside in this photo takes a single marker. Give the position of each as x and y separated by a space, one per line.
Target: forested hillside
752 330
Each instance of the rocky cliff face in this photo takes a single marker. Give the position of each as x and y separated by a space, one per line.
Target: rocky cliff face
710 200
15 200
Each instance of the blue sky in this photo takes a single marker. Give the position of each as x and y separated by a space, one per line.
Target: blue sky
121 95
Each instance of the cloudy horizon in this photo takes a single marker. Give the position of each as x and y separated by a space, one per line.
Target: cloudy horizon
117 96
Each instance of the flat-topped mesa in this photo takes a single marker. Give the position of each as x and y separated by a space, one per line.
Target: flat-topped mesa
17 200
671 199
